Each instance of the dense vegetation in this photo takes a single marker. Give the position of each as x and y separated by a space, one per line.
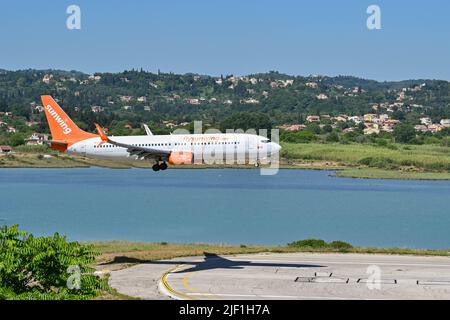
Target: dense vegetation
321 244
391 157
46 267
130 98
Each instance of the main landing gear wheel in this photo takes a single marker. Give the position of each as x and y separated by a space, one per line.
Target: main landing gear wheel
157 166
163 166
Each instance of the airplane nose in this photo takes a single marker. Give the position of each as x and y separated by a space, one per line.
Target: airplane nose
274 147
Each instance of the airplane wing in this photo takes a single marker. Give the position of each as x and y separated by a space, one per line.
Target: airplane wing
141 152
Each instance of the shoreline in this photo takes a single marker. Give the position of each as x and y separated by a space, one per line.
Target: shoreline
341 170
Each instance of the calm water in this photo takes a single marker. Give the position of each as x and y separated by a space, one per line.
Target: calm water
225 206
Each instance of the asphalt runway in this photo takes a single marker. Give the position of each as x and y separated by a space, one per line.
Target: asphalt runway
293 276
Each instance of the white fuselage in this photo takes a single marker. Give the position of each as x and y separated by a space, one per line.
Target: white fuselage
233 148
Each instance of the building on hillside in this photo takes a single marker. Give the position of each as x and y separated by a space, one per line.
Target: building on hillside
445 122
389 125
194 102
370 117
125 98
37 139
371 128
312 85
426 121
31 123
421 128
97 109
341 118
313 119
435 128
5 149
383 117
250 101
322 96
47 78
356 119
349 130
293 127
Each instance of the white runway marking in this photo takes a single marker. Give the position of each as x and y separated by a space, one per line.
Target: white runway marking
269 296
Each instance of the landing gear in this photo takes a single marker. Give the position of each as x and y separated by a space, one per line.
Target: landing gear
157 166
163 166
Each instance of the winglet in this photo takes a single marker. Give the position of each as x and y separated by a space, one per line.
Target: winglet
101 133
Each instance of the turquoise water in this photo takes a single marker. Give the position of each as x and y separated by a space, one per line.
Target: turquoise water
225 206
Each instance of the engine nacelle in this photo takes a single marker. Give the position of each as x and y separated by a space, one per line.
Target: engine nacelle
179 158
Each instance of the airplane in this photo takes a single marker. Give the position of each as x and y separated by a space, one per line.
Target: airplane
174 149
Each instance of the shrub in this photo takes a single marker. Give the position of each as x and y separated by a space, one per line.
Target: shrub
304 136
34 149
312 243
321 244
392 147
341 245
332 137
378 162
42 267
404 133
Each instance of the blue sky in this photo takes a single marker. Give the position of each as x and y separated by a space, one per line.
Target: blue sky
230 37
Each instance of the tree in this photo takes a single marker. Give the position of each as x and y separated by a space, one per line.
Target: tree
332 137
247 120
314 128
16 139
404 133
304 136
327 128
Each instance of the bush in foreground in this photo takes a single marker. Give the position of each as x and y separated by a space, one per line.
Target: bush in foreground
46 267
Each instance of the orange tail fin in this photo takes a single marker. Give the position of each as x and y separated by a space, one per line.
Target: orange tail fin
61 126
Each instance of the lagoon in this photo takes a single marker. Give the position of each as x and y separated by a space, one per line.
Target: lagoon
233 206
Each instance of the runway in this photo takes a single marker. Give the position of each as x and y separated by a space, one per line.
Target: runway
294 276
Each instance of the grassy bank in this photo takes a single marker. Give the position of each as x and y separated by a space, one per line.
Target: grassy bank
426 162
372 173
430 162
427 157
123 253
56 160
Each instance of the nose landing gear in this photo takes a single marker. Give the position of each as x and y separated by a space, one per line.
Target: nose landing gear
156 167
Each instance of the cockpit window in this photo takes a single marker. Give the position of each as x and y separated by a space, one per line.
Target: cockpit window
265 141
